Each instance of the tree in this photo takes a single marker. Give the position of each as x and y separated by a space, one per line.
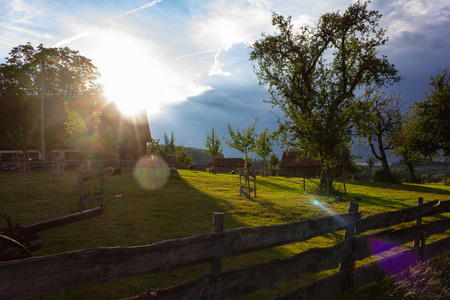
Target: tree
243 141
407 144
84 136
433 117
20 140
64 72
213 144
370 162
315 94
52 73
263 147
274 161
169 150
378 120
153 147
182 156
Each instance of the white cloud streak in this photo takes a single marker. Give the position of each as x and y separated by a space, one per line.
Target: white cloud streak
142 7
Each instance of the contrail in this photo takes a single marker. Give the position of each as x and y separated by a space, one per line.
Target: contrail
142 7
197 53
75 37
84 33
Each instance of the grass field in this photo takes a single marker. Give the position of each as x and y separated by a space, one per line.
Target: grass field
184 207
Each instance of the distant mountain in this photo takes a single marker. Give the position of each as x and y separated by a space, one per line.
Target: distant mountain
199 156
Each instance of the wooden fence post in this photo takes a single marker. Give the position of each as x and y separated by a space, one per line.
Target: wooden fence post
422 246
419 219
217 226
211 290
349 233
351 270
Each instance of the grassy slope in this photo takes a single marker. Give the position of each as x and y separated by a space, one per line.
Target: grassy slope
184 207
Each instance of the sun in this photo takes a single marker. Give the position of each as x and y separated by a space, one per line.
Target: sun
138 73
133 77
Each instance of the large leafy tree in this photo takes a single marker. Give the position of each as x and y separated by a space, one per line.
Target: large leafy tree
53 71
433 117
313 75
407 143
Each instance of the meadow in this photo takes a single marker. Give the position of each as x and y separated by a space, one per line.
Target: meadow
184 207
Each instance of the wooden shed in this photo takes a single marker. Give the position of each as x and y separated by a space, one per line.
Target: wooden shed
292 164
225 165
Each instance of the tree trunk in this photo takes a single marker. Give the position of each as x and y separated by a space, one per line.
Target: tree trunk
324 180
412 172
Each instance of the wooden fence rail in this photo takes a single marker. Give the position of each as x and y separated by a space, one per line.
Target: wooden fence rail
45 274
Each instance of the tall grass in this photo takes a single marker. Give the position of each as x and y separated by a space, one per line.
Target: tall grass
184 207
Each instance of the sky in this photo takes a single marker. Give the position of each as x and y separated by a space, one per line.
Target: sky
187 61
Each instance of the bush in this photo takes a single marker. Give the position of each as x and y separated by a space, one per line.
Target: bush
363 175
381 175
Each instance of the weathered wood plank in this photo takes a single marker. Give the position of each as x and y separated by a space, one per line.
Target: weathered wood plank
389 266
64 220
387 219
368 245
243 281
394 264
319 290
43 274
437 248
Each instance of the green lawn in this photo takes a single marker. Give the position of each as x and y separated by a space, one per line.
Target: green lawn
182 208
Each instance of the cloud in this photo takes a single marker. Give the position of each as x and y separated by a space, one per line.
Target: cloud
226 23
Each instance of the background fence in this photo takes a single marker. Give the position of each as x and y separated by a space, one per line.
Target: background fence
41 275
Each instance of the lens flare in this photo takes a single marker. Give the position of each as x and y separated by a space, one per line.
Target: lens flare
382 249
151 172
339 219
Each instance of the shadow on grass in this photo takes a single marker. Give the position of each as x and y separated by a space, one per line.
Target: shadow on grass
281 187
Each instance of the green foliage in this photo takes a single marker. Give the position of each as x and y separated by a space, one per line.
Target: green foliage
62 71
433 117
243 141
213 144
76 134
86 136
109 146
19 140
169 150
182 156
263 146
274 161
370 162
381 175
314 94
407 144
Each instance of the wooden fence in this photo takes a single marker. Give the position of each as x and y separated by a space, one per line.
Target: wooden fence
69 164
41 275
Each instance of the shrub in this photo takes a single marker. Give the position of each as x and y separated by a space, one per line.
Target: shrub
381 175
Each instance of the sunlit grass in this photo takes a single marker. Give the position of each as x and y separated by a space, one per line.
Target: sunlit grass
185 207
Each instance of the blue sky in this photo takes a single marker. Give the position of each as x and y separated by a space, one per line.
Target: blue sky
188 61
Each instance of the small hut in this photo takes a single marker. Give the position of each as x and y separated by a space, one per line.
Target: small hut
226 165
294 165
